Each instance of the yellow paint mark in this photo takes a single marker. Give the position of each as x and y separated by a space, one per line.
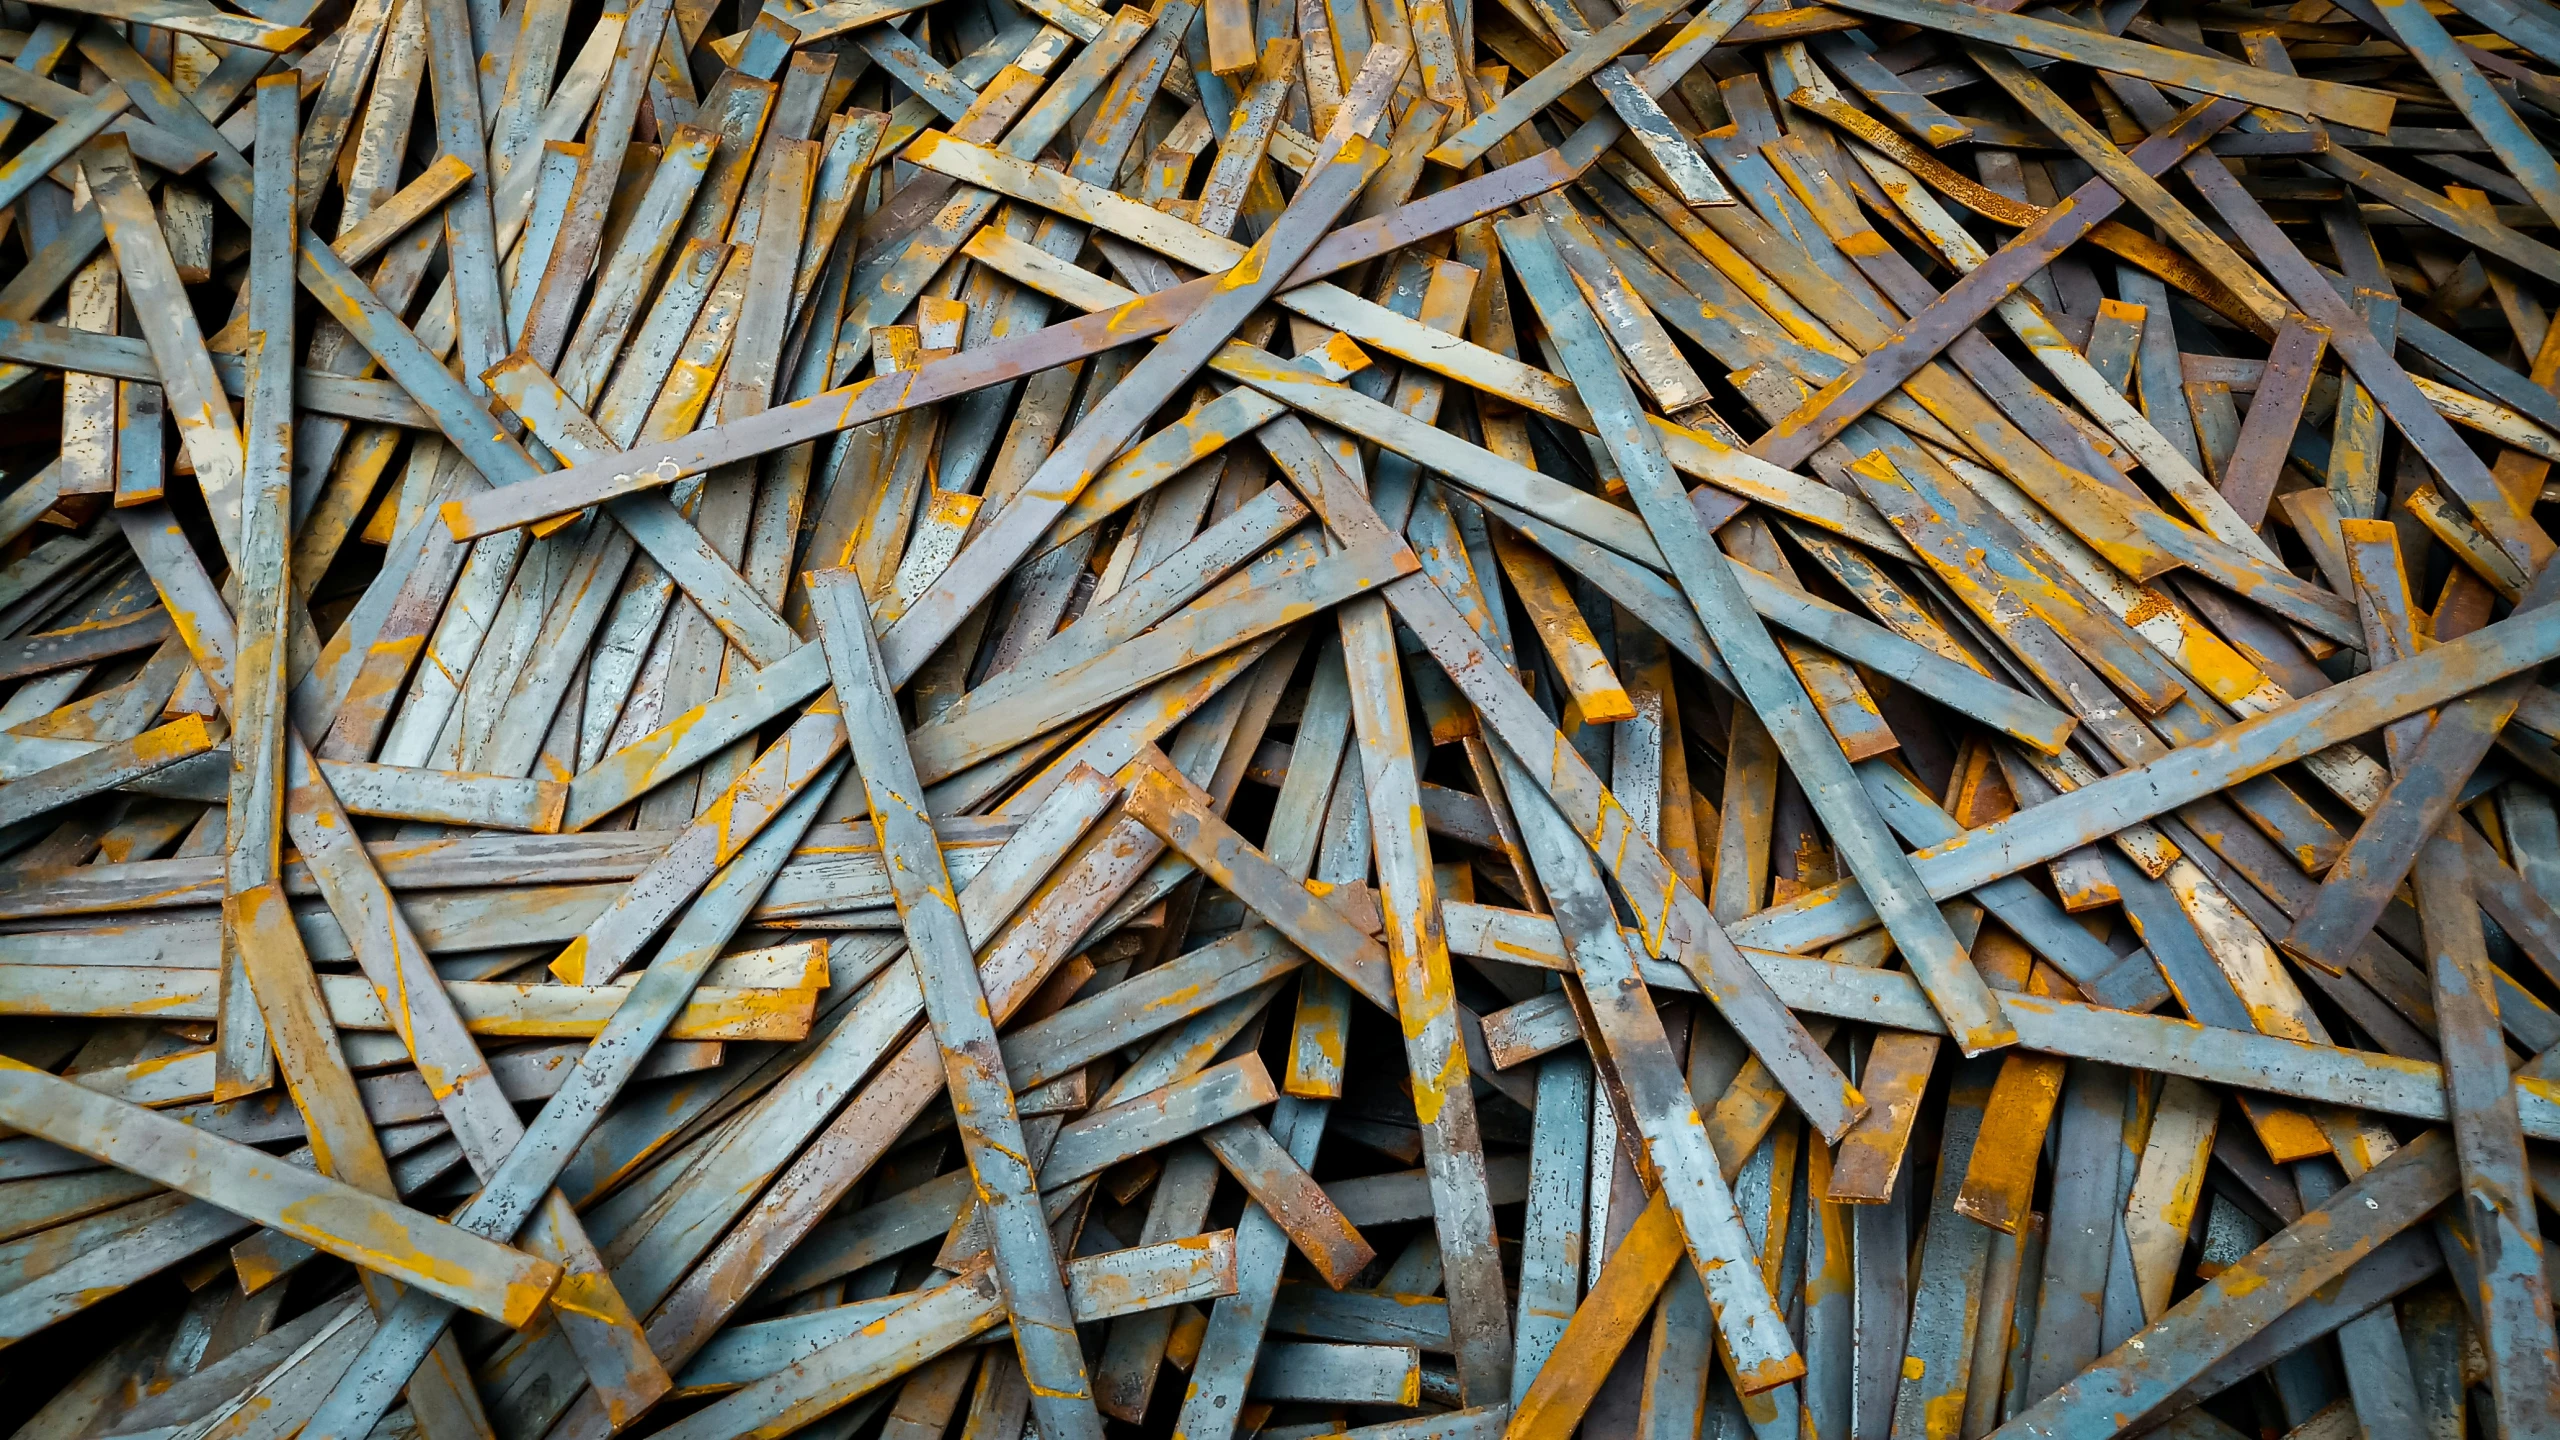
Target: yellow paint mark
589 1295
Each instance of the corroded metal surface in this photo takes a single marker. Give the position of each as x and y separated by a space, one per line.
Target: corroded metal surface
1417 719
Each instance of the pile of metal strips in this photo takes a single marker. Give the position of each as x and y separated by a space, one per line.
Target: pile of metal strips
1437 719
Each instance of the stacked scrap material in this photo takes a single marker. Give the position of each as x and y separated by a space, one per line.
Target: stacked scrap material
1444 719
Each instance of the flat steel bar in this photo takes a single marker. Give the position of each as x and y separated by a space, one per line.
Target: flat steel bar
1426 1003
1543 89
1391 1315
32 343
574 255
1184 817
483 1007
864 402
106 768
1347 162
1153 1117
197 404
1918 340
1144 1278
1552 1260
88 460
2168 1182
387 1238
2128 1384
2488 1142
2301 1070
2347 104
2446 62
1292 1197
1849 636
2000 1178
1946 1287
2186 774
2373 367
257 709
1026 1264
521 1184
2266 432
1755 1335
725 1270
76 120
1005 711
1620 1300
1768 682
1681 927
1358 1374
2430 774
1237 964
758 796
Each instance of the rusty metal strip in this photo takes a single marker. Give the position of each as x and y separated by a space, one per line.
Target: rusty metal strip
2346 104
2266 433
519 1190
1549 85
575 253
2235 278
2296 1069
755 799
1182 814
1141 1280
405 1245
862 1038
1554 1237
1238 964
1151 315
1681 927
2488 1143
1348 161
1004 712
1739 637
2380 375
105 355
1620 1300
196 402
1025 1263
2098 809
1419 965
1755 1337
2129 1384
821 1366
1291 1197
1918 340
